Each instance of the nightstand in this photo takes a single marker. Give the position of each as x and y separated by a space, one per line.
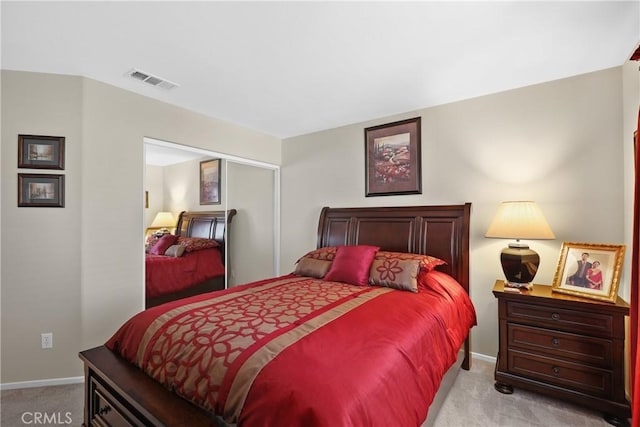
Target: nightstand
566 347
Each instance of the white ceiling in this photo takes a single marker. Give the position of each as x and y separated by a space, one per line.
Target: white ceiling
290 68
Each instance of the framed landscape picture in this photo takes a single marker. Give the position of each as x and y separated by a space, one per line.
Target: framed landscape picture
40 190
210 182
41 152
392 159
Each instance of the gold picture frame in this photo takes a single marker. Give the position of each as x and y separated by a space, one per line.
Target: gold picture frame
589 270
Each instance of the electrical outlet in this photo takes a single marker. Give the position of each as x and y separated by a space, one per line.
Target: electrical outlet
47 340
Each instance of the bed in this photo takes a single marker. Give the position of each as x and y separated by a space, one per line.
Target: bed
169 278
117 392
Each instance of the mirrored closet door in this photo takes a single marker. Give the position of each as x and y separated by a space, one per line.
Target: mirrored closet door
173 184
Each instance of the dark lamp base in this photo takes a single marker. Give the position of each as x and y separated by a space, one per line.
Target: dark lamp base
520 264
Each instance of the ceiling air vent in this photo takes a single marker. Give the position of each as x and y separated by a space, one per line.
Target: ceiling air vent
150 79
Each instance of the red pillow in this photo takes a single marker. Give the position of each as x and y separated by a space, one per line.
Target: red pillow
351 265
163 244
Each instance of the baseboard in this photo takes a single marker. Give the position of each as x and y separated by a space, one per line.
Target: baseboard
483 357
42 383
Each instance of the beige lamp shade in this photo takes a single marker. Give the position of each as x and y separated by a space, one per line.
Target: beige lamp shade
519 220
163 220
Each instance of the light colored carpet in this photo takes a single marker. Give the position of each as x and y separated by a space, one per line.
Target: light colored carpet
30 406
472 402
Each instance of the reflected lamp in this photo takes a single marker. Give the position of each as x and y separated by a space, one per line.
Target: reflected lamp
519 220
163 220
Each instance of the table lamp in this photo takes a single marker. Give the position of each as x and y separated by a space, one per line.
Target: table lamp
162 221
519 220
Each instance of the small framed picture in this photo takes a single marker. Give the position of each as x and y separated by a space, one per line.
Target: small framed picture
210 182
393 159
41 152
40 190
589 270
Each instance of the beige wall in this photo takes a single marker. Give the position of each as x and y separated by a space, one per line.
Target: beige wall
181 187
41 258
91 280
559 143
154 184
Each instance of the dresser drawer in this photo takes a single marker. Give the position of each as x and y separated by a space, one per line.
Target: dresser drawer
588 323
572 347
106 410
574 376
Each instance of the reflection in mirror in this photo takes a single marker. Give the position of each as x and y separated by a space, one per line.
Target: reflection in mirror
172 184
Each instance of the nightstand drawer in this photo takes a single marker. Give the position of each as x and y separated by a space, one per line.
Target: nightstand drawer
593 381
585 322
578 348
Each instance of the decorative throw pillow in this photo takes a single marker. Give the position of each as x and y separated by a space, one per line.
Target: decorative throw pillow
427 262
192 244
396 273
312 267
152 239
163 244
327 253
351 264
175 251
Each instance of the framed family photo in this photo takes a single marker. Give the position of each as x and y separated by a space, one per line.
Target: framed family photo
41 152
210 182
589 270
393 159
40 190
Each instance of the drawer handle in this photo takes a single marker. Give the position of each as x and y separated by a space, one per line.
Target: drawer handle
104 410
555 342
555 316
556 371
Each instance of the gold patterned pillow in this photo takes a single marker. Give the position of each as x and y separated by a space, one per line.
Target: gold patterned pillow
326 254
312 267
396 273
400 270
192 244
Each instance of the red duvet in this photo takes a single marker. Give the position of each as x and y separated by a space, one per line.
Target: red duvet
165 274
300 351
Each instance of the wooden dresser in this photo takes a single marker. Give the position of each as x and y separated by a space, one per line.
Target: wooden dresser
566 347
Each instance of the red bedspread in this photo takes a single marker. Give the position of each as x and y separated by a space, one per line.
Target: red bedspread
165 274
301 351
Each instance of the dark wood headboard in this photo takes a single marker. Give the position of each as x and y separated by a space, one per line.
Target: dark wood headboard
206 224
439 231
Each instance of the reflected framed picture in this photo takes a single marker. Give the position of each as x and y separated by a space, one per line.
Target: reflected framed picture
210 182
40 190
393 159
41 152
589 270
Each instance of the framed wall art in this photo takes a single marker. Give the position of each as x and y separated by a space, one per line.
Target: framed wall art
210 182
40 190
392 159
41 152
589 270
